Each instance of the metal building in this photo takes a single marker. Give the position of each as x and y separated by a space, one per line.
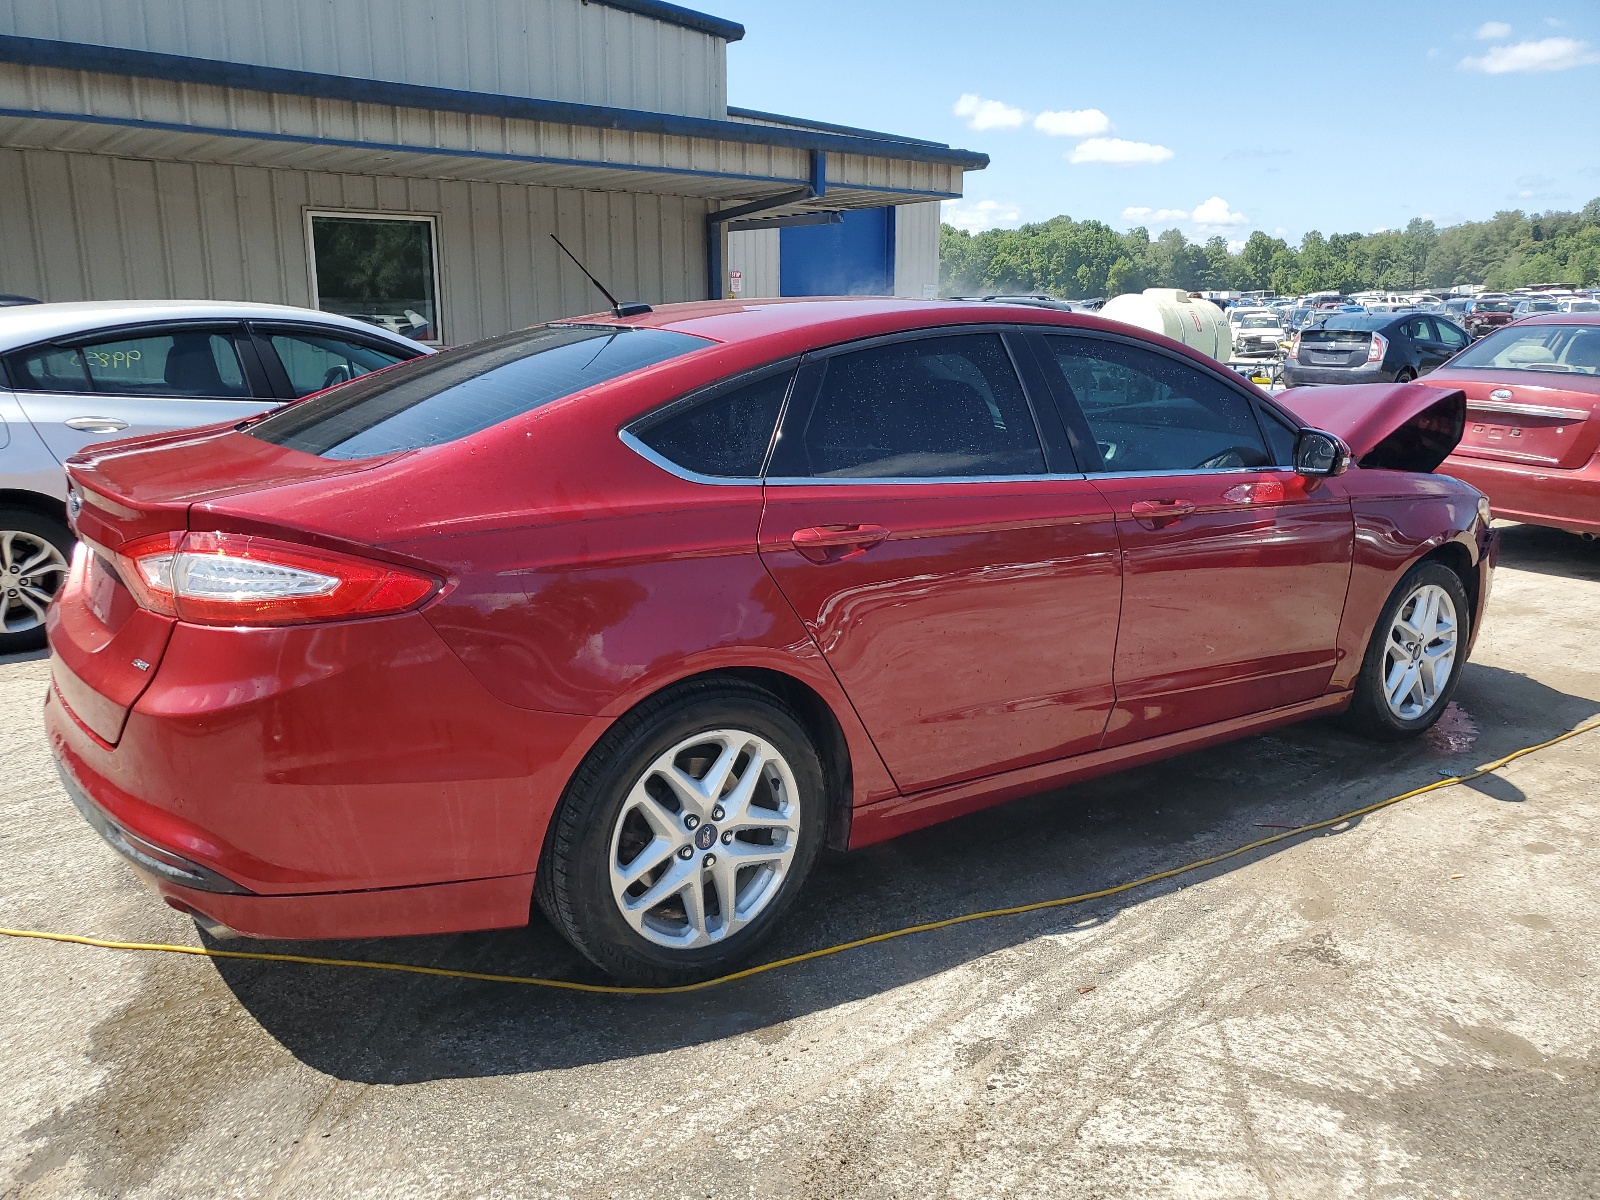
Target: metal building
406 161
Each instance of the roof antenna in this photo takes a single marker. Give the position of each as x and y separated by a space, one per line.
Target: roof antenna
633 309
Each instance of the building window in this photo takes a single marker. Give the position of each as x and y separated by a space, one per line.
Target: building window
379 269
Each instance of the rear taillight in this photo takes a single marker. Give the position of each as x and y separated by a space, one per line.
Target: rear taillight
1294 345
237 579
1379 347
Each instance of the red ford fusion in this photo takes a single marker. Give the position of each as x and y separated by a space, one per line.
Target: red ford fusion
629 616
1532 436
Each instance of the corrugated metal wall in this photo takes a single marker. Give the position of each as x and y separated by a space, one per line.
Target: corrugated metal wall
916 249
554 49
83 226
755 252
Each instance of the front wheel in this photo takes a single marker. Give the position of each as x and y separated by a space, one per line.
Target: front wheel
685 835
1415 657
34 553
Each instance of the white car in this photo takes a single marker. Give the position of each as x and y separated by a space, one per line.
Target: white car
1258 333
74 374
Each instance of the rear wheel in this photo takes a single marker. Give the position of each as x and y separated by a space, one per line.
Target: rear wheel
34 552
1415 657
1406 375
685 835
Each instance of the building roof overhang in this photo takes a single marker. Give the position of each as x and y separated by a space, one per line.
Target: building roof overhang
177 68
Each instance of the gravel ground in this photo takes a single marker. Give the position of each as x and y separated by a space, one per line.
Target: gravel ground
1405 1006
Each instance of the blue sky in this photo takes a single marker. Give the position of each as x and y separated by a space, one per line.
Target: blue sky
1212 117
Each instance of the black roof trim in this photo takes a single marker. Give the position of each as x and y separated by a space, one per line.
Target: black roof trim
178 68
675 14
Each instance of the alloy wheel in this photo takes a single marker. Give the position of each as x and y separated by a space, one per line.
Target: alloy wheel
705 839
1420 655
31 573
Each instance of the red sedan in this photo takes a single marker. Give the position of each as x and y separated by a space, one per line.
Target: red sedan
631 616
1532 438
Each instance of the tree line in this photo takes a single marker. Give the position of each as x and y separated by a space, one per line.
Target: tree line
1078 259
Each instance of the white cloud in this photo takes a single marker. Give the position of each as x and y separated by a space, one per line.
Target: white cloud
1237 244
1215 214
1548 54
1118 151
1155 214
1493 31
988 114
1074 123
977 215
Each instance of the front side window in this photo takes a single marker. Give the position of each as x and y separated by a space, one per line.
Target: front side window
1449 334
377 269
1553 349
186 363
442 397
935 407
725 434
314 361
1148 412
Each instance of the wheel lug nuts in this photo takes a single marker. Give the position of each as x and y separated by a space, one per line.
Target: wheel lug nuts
727 837
691 821
686 852
711 860
717 813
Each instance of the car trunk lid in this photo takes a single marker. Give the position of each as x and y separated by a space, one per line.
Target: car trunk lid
1543 420
107 647
1334 348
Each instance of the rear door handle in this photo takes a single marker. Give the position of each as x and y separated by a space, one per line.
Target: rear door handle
830 543
1161 508
95 424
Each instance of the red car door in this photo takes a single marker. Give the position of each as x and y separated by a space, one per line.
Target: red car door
1234 567
965 595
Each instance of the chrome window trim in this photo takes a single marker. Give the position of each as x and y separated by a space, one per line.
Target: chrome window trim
1192 471
834 480
672 468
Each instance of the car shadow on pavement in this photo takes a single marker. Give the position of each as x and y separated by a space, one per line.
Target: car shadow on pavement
382 1027
1549 552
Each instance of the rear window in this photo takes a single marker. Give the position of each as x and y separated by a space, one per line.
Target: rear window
1358 321
433 400
1552 349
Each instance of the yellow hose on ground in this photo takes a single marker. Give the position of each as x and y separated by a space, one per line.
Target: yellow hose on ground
809 955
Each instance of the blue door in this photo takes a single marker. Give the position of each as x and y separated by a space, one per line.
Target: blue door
853 258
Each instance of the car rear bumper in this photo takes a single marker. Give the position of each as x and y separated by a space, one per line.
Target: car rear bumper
347 780
1296 374
1567 500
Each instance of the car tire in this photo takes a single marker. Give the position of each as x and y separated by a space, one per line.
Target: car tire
35 551
1397 693
1405 375
668 925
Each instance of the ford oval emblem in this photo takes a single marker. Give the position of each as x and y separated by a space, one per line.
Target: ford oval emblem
1500 394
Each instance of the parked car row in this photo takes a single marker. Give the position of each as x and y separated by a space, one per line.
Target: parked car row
627 617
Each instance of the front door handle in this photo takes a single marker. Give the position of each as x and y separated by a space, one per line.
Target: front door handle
95 424
1161 508
830 543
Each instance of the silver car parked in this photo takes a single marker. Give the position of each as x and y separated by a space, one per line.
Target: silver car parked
78 373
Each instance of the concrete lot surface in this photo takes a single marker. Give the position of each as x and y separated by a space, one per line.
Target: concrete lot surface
1408 1006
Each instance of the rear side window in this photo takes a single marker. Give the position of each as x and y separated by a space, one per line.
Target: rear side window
438 399
927 408
183 363
725 434
49 370
1149 412
314 361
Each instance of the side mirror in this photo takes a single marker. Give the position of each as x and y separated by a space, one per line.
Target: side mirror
1319 455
